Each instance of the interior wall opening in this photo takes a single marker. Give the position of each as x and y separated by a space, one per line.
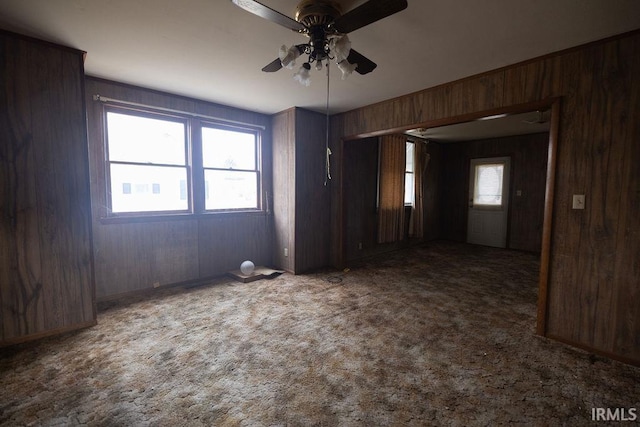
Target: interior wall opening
526 134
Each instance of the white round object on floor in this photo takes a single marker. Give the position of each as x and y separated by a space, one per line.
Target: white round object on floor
247 267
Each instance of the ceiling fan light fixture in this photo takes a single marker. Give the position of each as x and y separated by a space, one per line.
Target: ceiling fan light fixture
347 68
302 76
288 56
341 47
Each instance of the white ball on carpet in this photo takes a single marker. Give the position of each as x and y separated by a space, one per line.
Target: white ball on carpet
247 267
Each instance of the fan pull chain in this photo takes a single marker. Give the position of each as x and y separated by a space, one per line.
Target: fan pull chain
328 151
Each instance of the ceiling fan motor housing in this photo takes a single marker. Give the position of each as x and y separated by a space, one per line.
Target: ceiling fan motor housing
317 12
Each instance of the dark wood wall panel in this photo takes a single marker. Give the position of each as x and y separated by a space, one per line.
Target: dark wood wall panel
593 296
139 255
234 239
46 270
589 277
433 190
301 200
360 195
627 340
312 225
284 216
532 81
478 93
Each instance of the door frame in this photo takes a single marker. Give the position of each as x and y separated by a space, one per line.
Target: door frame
506 179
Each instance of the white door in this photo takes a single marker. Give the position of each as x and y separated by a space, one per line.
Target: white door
488 201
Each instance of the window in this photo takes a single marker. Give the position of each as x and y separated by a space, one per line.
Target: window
409 177
487 190
145 152
230 169
155 167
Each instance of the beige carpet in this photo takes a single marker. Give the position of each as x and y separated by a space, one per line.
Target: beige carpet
436 335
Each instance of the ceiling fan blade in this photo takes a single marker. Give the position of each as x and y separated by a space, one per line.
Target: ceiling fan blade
266 12
365 65
367 13
276 64
273 66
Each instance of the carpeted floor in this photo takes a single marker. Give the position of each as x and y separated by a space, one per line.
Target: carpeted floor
436 335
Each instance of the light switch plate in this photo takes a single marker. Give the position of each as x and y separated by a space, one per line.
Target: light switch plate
578 201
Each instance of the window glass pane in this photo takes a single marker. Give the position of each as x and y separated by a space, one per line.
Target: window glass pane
409 188
230 189
488 185
141 188
409 157
145 140
227 149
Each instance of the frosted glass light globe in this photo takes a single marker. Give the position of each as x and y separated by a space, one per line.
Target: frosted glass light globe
247 267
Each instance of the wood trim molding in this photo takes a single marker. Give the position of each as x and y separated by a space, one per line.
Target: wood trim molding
545 256
446 121
40 335
607 354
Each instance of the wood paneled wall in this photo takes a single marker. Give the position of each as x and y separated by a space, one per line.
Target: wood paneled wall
46 283
284 184
593 298
528 174
136 255
361 195
301 217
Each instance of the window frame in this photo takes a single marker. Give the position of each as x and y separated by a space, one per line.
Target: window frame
195 185
257 145
412 173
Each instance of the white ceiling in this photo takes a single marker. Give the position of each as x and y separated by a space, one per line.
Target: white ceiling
213 50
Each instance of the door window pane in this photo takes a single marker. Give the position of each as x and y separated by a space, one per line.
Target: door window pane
488 185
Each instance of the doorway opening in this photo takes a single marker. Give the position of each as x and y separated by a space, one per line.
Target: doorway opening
545 114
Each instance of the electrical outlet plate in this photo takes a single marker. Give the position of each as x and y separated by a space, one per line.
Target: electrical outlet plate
578 201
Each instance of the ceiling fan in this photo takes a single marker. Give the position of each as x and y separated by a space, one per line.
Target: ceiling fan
326 27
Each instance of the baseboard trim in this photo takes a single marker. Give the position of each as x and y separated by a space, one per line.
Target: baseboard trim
46 334
607 354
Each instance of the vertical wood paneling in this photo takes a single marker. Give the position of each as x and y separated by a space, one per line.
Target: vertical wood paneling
532 81
337 208
478 93
433 188
233 239
312 198
301 200
627 269
283 131
588 282
137 255
46 271
21 276
360 176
